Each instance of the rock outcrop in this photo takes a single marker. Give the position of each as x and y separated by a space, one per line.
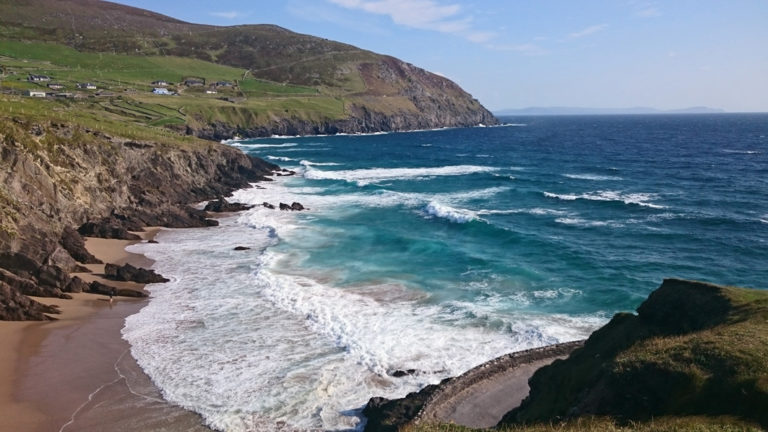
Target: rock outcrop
128 272
221 205
56 177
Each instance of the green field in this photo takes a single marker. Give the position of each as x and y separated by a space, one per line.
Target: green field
124 90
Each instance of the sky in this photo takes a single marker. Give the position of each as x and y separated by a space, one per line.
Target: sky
540 53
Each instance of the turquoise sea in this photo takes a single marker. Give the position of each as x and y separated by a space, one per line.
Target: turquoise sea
439 250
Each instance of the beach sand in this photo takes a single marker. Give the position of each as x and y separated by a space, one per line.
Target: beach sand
76 373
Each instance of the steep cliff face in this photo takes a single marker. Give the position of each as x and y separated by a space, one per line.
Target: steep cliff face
55 177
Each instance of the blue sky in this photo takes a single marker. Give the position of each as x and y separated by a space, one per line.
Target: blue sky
517 53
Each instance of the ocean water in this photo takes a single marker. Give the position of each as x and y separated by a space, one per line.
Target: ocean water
439 250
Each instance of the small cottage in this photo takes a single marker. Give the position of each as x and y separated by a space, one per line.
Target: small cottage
161 91
160 83
38 78
86 86
35 93
55 86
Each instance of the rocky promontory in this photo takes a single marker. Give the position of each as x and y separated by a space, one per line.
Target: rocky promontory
57 178
691 359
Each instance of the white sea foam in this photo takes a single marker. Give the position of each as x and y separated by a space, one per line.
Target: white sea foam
280 158
307 163
538 211
281 190
641 199
452 214
260 146
742 151
581 222
239 338
593 177
367 176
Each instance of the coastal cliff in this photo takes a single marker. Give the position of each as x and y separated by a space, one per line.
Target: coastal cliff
55 177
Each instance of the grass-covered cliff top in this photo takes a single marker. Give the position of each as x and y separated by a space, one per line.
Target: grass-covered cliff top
267 76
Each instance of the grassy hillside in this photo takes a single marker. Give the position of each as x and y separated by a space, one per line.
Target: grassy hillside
281 81
692 349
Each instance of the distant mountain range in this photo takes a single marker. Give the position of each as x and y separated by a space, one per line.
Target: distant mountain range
602 111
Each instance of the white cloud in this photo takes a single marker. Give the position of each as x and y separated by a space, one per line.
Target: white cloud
227 14
588 31
421 14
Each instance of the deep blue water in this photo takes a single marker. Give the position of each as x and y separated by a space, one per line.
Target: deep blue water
605 205
438 250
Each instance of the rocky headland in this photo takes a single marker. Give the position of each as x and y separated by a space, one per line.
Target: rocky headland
60 182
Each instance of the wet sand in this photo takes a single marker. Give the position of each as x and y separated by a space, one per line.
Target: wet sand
76 373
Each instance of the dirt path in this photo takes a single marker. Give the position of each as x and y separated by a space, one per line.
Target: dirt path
481 397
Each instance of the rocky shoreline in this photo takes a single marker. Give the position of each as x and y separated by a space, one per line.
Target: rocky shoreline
62 182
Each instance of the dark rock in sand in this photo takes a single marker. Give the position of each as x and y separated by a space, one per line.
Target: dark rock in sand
221 205
18 283
106 228
242 248
97 287
211 222
53 276
15 306
73 242
152 241
76 285
61 258
131 273
19 263
174 217
284 206
268 205
127 292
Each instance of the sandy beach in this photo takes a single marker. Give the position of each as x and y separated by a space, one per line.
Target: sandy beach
76 373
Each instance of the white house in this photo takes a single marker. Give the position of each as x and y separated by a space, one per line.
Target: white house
86 86
161 91
38 78
35 93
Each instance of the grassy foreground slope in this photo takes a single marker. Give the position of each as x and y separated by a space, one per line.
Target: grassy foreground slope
693 349
281 82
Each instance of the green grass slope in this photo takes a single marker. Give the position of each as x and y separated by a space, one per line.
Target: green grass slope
292 82
693 349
